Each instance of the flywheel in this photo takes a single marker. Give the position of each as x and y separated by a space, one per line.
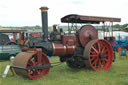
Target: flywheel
87 33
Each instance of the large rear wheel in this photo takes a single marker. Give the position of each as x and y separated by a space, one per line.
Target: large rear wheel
98 55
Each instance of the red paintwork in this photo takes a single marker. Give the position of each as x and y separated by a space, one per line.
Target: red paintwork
66 38
86 34
63 50
94 49
66 47
15 32
59 49
36 34
14 37
21 42
37 59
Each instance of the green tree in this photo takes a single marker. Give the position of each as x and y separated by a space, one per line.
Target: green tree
124 26
37 27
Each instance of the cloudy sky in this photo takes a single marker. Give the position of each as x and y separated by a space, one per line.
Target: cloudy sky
27 13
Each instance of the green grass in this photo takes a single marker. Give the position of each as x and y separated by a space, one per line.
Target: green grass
63 75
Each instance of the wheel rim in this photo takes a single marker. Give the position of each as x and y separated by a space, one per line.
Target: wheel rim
31 59
99 55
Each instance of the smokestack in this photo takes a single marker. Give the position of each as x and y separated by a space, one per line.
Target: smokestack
44 22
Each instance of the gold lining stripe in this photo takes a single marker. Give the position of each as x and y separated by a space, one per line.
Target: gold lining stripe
74 47
44 8
64 49
53 48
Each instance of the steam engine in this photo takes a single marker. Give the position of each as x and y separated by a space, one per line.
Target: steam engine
80 50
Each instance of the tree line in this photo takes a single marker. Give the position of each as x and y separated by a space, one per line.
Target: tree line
121 27
38 27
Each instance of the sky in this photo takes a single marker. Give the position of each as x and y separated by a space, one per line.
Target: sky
27 13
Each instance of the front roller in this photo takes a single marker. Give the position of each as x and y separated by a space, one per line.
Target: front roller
98 55
28 59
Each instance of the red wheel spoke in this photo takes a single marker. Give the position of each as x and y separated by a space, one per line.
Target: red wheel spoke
99 63
93 58
95 49
103 61
95 61
103 49
102 46
106 55
99 47
96 46
33 62
93 52
93 55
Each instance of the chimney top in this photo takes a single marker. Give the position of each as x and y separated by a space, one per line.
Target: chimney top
44 8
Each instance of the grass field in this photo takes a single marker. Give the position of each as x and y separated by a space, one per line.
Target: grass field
63 75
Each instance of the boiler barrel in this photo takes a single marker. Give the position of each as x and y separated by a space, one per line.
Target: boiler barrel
63 50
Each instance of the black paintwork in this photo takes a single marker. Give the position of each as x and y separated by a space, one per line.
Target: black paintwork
32 67
45 25
38 42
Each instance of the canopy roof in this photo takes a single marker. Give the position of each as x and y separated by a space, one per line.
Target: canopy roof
74 18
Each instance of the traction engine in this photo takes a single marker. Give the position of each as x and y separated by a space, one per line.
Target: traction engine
82 49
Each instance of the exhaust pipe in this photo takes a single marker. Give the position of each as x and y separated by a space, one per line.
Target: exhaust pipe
44 22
